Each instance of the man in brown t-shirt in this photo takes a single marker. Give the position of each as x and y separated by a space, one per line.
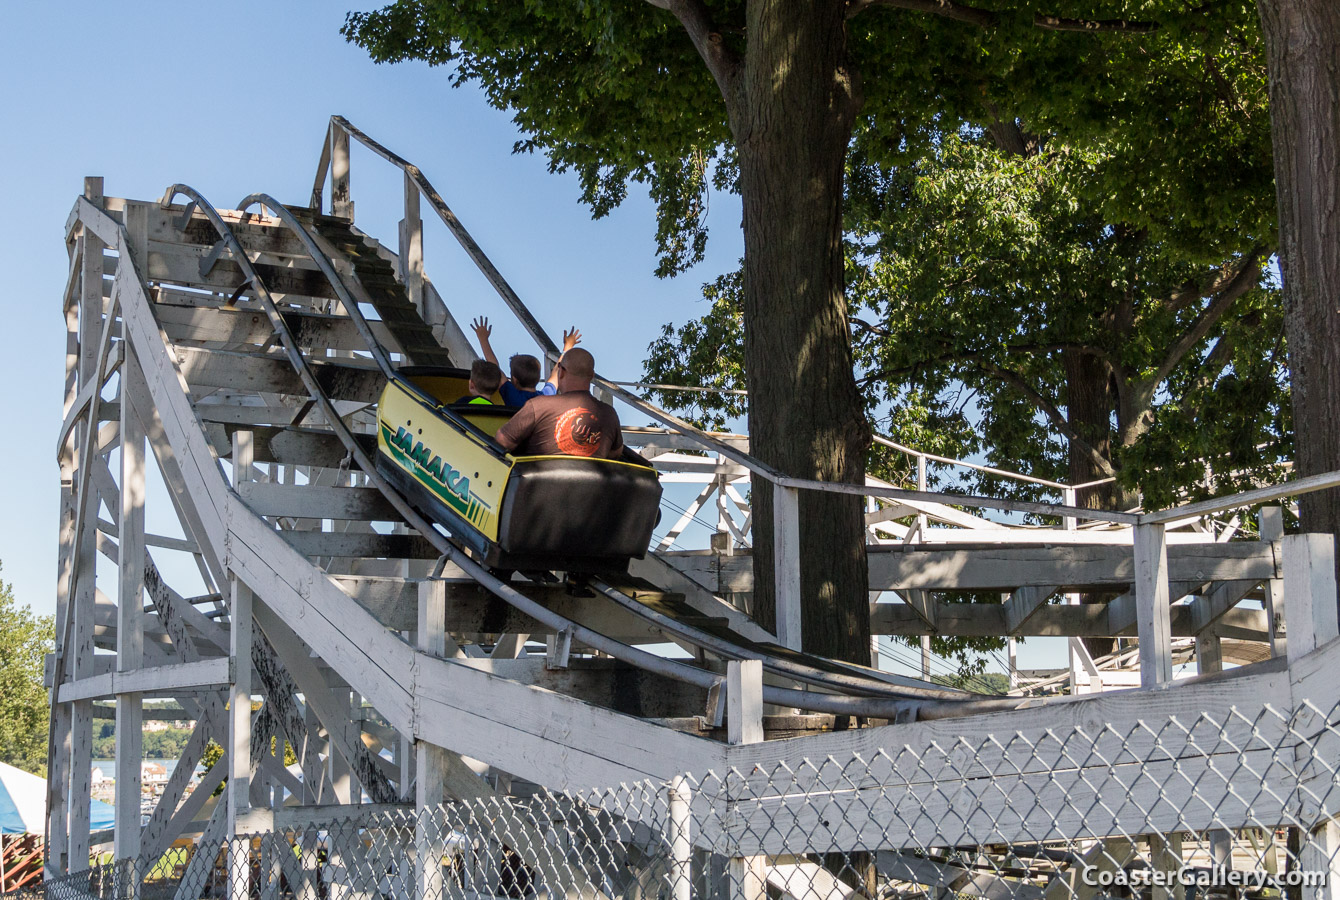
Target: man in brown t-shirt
570 423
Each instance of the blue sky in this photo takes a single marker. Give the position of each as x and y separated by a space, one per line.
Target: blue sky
233 99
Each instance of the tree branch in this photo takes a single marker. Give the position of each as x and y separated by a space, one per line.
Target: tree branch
985 18
1229 288
948 9
1094 26
953 355
722 62
1215 362
1053 413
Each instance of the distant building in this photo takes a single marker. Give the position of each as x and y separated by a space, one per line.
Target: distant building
153 775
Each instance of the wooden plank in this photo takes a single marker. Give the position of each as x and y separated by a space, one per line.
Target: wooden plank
359 546
129 624
247 372
458 710
1209 608
786 565
1003 568
1051 620
290 446
251 326
180 264
313 502
1023 603
657 570
1070 567
602 682
155 681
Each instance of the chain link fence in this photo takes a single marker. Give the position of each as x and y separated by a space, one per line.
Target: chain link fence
1183 810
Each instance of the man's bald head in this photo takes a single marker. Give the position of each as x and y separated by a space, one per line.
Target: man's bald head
579 364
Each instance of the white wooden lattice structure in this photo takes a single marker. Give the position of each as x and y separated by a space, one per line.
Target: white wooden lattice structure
397 675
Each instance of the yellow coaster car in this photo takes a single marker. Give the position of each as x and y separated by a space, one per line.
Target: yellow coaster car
569 513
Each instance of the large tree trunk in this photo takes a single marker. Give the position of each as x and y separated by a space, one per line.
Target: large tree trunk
792 125
1303 56
1089 414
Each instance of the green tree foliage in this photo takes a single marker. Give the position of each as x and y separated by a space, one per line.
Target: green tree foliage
1078 290
25 639
1161 99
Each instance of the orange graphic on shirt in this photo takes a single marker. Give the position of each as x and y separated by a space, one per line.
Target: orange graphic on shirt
577 432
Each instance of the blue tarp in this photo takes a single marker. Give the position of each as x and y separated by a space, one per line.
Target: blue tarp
23 798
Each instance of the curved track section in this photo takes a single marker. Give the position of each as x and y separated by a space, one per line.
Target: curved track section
264 340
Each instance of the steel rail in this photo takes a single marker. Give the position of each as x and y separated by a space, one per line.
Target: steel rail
889 706
640 658
808 674
868 685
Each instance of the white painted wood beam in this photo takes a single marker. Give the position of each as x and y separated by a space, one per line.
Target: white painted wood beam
786 564
239 704
1152 606
130 632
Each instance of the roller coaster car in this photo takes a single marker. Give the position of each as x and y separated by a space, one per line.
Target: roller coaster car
518 512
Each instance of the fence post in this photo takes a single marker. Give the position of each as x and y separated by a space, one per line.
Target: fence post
681 846
1153 617
238 798
130 634
1309 592
744 725
431 764
1270 524
786 563
1321 854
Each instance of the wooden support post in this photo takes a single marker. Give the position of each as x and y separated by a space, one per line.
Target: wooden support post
1209 653
58 774
1309 592
1165 853
1153 615
340 204
786 564
411 246
679 837
430 759
130 636
1321 853
82 603
1271 528
239 704
744 725
239 739
744 701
